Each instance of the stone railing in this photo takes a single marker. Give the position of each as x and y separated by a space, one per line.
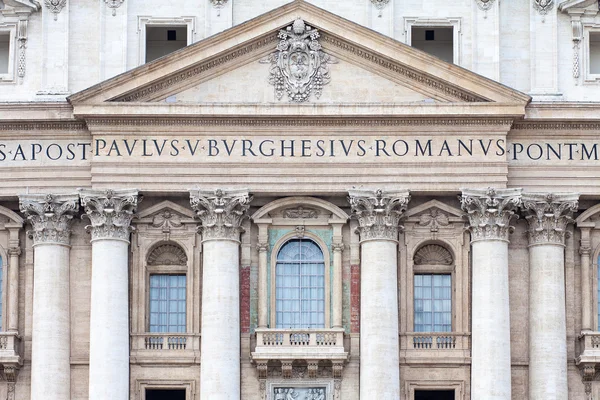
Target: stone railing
10 348
420 346
313 344
146 347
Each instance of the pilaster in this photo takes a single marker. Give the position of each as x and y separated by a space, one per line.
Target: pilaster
486 38
113 30
544 50
55 48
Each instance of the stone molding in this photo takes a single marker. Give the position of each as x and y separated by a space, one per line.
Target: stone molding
221 212
50 216
110 212
489 212
378 212
563 125
548 215
43 126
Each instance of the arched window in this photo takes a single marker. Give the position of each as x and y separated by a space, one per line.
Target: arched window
300 285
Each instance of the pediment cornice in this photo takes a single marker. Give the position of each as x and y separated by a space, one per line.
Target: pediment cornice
252 40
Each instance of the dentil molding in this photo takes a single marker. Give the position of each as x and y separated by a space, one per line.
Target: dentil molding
50 216
378 212
548 215
110 212
489 212
221 212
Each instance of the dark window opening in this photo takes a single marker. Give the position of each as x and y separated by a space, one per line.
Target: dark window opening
595 52
436 41
434 394
165 394
162 40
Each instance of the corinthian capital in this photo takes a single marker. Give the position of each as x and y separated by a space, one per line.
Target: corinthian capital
50 216
490 211
378 212
548 215
110 212
221 212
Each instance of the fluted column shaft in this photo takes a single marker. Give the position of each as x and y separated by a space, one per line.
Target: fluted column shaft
110 213
489 212
548 216
221 214
378 215
50 217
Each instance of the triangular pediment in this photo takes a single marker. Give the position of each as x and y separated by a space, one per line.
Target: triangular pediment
365 67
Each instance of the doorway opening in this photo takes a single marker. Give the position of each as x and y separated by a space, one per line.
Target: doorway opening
165 394
434 394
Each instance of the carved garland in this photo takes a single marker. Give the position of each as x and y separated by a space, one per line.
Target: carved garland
380 5
114 4
484 4
299 66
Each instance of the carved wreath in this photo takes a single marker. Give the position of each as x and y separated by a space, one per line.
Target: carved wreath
299 66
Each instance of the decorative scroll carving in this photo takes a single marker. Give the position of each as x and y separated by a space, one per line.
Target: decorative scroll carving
10 394
489 212
166 220
50 216
221 212
484 4
167 254
378 212
299 66
14 251
300 212
114 4
548 216
434 219
22 38
338 247
262 247
110 212
543 6
218 4
433 254
55 6
380 5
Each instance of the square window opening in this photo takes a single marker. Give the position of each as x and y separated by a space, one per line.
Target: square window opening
434 395
595 53
4 52
437 41
165 394
163 40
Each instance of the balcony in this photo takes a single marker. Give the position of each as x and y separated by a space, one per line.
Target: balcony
441 347
172 348
10 347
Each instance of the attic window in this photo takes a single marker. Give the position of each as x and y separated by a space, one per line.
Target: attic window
595 53
4 52
162 40
437 41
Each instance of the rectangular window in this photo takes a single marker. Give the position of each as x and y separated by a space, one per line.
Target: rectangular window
433 303
167 303
4 52
437 41
434 395
162 40
165 394
595 53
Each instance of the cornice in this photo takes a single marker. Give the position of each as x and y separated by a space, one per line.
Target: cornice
557 125
61 126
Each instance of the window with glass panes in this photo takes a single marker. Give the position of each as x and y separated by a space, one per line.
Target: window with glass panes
300 285
433 303
167 303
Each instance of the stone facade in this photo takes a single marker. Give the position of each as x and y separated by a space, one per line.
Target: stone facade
299 122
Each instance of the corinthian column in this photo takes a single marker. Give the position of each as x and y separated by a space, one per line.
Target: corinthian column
110 213
221 213
548 216
489 212
50 217
378 215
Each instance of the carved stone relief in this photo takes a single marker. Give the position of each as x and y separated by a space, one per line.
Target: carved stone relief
433 254
484 4
167 254
300 212
380 5
434 219
166 220
114 4
295 393
55 6
543 6
299 67
548 216
218 4
110 212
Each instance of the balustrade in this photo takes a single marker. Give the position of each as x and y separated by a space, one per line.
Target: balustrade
182 347
448 346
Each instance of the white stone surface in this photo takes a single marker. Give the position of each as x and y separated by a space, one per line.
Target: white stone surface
491 364
547 323
379 342
50 362
109 321
220 348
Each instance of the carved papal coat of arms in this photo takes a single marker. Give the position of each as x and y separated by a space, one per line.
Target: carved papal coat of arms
299 66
